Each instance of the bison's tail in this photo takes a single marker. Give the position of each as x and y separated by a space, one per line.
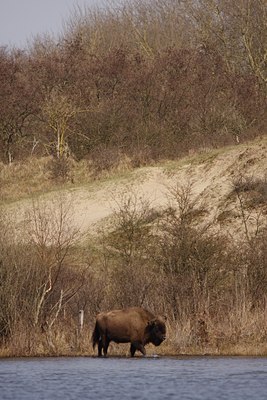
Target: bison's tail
95 336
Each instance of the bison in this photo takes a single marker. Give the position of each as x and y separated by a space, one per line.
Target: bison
131 325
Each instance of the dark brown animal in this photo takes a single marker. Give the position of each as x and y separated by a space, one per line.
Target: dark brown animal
131 325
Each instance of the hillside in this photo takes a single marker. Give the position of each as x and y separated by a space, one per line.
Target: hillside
211 175
187 240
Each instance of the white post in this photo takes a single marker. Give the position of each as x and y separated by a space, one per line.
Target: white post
81 317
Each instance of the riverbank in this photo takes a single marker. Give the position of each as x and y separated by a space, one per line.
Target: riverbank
65 344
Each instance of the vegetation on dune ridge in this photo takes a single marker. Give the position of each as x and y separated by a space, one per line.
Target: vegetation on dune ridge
144 80
34 176
133 85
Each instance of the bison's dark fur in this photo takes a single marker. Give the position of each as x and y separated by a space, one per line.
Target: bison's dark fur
131 325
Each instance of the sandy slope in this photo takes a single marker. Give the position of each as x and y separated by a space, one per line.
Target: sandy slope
210 174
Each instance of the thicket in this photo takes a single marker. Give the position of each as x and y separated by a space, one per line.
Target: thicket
148 79
211 288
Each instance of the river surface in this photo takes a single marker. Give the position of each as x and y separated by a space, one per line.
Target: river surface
213 378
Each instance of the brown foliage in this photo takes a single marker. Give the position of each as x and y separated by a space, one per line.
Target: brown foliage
150 78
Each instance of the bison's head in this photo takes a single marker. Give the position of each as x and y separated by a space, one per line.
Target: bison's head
156 331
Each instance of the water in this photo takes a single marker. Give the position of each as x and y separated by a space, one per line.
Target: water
139 378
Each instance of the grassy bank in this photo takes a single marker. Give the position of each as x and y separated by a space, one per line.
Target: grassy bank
181 340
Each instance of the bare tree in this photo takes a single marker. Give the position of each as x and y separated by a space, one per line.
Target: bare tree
52 236
59 111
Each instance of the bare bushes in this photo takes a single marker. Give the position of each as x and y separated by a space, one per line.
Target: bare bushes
256 269
105 160
126 245
212 289
152 80
192 260
253 190
59 169
52 237
162 259
40 273
172 261
8 279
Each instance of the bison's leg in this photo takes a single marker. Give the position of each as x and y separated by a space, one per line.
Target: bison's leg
137 346
132 350
106 348
105 344
100 348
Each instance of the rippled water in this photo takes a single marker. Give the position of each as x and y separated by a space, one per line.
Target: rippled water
139 378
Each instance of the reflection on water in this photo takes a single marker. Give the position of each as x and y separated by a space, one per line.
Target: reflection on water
139 378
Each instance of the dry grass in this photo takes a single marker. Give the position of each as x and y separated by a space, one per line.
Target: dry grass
21 179
33 177
222 340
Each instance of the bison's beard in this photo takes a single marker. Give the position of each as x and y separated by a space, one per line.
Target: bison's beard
157 341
